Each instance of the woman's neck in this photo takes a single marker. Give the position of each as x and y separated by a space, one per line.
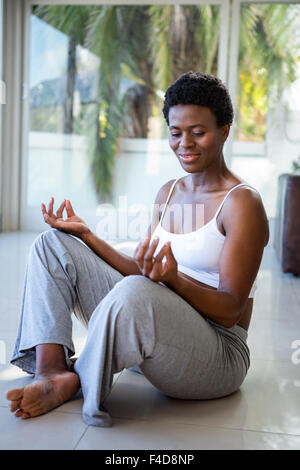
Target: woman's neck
211 178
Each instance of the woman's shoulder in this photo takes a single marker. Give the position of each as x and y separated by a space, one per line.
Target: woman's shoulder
246 200
243 194
242 189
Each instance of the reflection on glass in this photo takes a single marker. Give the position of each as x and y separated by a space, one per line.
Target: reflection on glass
97 80
267 102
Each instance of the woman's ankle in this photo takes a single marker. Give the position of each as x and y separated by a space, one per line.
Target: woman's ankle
50 359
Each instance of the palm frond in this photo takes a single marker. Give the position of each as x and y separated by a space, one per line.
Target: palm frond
160 17
208 36
69 19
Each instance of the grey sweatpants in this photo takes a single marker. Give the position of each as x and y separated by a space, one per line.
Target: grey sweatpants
131 321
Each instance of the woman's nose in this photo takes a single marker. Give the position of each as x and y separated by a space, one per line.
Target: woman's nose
186 141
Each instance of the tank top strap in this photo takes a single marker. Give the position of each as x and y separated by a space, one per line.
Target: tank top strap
221 205
169 195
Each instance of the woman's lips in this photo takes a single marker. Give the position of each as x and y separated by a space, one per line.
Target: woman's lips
189 158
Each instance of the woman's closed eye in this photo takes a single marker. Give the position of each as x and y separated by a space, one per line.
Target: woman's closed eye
198 134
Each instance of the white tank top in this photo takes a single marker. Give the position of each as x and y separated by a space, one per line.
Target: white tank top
197 253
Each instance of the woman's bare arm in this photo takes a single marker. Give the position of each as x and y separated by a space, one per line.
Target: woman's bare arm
123 263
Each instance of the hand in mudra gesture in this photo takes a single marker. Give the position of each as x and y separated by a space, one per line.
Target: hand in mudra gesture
72 224
153 267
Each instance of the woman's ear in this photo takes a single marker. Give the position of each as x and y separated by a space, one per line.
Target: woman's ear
225 131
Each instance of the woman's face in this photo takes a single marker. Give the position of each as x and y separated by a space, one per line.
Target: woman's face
194 136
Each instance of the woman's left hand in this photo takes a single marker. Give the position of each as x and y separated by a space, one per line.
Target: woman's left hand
153 267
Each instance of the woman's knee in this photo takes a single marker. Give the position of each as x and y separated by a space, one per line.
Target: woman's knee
50 244
131 297
136 289
47 235
53 238
54 234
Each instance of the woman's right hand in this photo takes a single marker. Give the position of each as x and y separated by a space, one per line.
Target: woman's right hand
73 224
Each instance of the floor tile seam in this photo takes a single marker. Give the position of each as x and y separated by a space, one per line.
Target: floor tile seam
64 412
295 293
195 425
81 437
233 428
281 361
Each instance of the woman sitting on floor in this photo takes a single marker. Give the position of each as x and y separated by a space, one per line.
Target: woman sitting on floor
179 308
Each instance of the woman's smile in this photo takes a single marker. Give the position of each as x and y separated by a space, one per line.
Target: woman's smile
189 158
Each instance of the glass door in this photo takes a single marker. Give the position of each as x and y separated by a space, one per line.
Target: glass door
97 77
266 138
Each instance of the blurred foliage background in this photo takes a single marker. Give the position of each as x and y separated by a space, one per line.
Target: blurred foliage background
141 51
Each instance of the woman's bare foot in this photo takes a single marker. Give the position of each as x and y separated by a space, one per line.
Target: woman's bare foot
48 391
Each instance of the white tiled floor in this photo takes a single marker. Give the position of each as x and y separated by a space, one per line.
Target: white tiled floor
263 414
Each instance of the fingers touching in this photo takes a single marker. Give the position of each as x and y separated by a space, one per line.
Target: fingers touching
50 207
69 208
148 256
144 256
49 215
59 212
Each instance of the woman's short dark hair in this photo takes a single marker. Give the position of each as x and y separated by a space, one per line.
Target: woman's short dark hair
201 89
